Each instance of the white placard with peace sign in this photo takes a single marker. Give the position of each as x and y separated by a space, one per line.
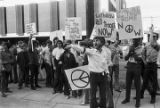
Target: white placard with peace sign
129 23
78 78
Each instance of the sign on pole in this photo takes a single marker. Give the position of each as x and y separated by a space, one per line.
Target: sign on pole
73 28
105 24
78 78
130 23
58 34
31 28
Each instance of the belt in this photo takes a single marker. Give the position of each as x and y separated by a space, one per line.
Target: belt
98 73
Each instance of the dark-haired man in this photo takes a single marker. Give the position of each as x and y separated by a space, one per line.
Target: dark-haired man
98 65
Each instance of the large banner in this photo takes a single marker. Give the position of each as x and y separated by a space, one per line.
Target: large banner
73 28
130 23
78 78
105 24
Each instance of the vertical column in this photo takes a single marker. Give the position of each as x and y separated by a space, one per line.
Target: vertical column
71 8
81 12
62 14
20 19
26 15
54 14
97 6
33 14
44 17
11 19
3 25
89 17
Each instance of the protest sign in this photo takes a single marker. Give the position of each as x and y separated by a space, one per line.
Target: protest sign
105 25
73 28
30 28
129 23
78 78
58 34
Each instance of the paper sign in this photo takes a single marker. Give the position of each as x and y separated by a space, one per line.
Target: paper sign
31 28
73 28
78 78
105 24
130 23
58 34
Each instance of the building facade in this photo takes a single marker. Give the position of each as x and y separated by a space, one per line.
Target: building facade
49 16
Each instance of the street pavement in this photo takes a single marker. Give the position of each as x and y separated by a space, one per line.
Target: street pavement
43 98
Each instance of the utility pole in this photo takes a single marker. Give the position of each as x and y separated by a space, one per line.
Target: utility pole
89 17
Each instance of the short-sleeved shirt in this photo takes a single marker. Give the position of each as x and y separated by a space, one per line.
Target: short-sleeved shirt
57 52
46 55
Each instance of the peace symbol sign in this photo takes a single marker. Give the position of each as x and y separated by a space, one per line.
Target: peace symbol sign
129 28
80 78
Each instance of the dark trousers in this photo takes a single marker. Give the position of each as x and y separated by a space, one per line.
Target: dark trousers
34 75
26 75
57 84
23 76
15 75
10 77
4 81
65 84
48 69
98 80
111 82
133 73
150 79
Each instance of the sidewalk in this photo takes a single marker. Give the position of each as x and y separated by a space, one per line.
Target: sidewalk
43 98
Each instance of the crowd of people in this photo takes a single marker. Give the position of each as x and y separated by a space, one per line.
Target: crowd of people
22 63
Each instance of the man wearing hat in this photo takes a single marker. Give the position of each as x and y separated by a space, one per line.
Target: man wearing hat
98 66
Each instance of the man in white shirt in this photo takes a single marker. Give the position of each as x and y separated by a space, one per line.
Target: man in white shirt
57 65
98 58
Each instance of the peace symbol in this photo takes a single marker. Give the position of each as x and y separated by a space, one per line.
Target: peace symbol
80 78
129 28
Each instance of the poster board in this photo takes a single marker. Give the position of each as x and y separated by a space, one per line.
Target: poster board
73 28
31 28
58 33
130 23
106 25
78 78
